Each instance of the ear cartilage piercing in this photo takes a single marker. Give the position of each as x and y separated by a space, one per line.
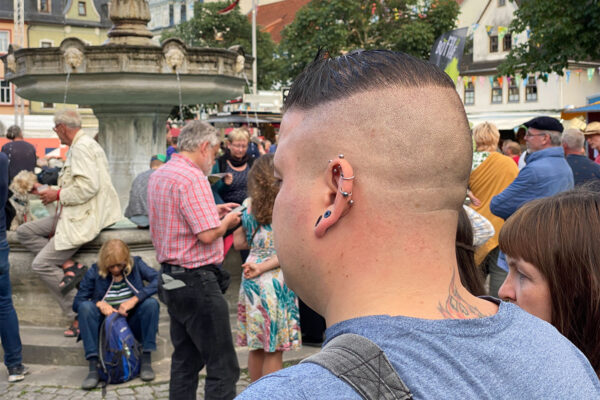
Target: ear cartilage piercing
327 214
347 179
318 220
346 194
341 156
351 202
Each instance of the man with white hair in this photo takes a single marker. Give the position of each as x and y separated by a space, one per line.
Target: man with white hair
186 230
369 243
584 169
87 203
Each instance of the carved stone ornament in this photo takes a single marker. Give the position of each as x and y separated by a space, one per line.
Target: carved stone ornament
174 58
73 57
11 63
240 61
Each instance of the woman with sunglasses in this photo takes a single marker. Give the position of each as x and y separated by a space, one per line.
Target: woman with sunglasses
116 285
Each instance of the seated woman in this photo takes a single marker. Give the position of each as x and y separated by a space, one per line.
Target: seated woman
553 255
115 284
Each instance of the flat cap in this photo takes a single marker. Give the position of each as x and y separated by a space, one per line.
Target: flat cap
544 124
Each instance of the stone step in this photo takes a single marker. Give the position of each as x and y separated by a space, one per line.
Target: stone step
48 346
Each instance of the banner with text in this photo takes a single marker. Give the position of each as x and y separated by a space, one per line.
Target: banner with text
447 51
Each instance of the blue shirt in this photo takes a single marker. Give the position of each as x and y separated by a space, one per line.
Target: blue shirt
546 173
510 355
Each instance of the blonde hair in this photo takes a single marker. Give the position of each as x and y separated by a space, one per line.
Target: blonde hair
238 134
486 137
112 252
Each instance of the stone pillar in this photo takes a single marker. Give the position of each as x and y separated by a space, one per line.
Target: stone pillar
130 134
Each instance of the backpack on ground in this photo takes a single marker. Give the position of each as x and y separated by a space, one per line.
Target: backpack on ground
120 352
363 365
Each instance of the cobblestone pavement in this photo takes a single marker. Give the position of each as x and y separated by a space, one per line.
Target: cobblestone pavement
153 390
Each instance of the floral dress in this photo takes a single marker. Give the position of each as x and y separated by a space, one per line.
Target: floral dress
268 316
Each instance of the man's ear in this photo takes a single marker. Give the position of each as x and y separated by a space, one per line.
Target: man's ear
339 177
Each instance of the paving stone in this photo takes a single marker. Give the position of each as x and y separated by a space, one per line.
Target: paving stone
147 390
49 390
127 397
65 392
95 395
124 392
164 387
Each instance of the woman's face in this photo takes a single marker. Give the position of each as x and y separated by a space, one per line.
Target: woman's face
528 288
238 148
117 269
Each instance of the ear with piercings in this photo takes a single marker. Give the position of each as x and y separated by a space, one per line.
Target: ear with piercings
340 173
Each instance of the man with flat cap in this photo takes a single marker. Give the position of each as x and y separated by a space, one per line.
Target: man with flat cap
592 135
546 173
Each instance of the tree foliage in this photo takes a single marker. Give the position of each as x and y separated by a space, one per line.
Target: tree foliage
209 29
339 26
558 31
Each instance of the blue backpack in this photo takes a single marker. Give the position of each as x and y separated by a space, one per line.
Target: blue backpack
120 353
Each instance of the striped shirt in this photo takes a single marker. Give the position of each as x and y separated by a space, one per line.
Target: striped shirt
180 206
118 293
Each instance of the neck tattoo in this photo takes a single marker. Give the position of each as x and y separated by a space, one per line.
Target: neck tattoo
455 307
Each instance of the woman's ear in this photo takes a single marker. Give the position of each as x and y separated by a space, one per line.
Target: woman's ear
339 177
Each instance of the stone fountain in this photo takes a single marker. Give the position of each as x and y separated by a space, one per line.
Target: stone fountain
130 82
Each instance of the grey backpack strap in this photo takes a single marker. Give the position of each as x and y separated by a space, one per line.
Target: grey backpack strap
363 365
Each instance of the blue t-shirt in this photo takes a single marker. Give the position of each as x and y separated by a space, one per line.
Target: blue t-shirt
510 355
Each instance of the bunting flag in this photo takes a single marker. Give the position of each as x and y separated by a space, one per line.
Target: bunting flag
500 79
556 76
508 79
502 31
229 8
489 29
568 75
473 79
528 33
465 81
518 80
491 81
525 81
482 80
590 73
578 72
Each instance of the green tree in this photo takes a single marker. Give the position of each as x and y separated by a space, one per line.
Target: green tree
209 29
558 31
339 26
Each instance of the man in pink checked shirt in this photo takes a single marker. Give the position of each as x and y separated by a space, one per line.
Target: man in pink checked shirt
186 230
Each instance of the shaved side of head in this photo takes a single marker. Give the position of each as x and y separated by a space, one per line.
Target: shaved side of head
405 131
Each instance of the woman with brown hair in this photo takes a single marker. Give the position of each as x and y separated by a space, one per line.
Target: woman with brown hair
491 173
268 318
551 246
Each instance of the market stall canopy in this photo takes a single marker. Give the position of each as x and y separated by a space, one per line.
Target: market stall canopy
571 112
507 120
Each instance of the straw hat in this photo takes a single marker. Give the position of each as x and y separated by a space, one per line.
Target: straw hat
593 128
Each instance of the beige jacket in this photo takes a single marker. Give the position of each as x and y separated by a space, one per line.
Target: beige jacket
88 199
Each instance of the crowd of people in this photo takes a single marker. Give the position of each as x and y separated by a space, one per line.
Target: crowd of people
474 274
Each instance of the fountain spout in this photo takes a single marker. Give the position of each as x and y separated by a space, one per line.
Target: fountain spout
174 58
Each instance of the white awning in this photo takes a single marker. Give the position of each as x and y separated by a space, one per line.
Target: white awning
507 120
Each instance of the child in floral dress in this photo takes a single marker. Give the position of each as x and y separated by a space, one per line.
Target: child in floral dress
268 317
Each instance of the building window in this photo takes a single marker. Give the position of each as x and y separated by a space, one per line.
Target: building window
4 92
44 6
171 15
183 13
469 94
501 3
4 41
513 91
81 8
496 93
47 105
507 42
531 89
46 43
493 44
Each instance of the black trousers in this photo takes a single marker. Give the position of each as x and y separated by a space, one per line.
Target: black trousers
201 335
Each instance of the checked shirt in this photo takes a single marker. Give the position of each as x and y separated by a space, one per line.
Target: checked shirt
181 205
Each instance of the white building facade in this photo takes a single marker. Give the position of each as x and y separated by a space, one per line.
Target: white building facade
509 101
